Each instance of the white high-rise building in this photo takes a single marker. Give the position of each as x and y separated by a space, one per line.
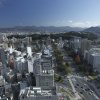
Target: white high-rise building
30 66
29 51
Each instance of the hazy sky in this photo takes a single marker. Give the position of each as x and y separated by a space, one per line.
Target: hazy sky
78 13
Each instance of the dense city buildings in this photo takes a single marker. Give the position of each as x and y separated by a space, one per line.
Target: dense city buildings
46 68
23 69
49 49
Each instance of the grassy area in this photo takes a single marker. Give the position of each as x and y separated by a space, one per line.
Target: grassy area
62 90
93 77
58 78
68 97
67 93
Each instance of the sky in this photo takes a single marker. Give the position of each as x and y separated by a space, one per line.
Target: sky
75 13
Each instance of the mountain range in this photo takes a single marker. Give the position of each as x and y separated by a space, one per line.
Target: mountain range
41 29
95 30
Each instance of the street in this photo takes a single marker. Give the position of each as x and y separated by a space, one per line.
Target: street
83 89
79 80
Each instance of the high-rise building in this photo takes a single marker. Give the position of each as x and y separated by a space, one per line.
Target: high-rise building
30 65
2 81
46 75
29 51
92 57
16 91
21 65
2 56
85 45
75 43
3 60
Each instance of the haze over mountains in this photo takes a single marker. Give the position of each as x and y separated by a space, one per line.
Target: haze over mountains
95 30
41 29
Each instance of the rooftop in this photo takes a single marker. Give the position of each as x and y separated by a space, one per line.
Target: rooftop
36 91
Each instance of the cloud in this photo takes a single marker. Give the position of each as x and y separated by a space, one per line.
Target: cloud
70 21
84 24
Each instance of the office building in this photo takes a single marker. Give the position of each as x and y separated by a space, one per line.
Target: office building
93 58
85 45
46 75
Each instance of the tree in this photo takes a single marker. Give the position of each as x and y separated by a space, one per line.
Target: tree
77 59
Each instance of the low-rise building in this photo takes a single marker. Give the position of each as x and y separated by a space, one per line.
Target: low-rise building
37 93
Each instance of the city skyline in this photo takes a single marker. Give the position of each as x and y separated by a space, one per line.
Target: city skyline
75 13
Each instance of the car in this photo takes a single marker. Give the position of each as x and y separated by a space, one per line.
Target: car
87 89
77 84
77 74
90 93
81 92
85 84
81 87
65 76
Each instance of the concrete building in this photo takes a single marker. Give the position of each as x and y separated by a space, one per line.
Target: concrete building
61 43
11 50
2 56
10 76
85 45
45 76
1 68
2 81
75 43
3 61
37 66
21 65
93 58
16 91
45 79
29 51
2 96
4 45
4 38
30 65
37 93
8 90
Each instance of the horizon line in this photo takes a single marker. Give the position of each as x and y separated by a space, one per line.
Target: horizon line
44 26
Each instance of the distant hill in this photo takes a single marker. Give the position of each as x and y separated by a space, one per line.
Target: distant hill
95 30
41 28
